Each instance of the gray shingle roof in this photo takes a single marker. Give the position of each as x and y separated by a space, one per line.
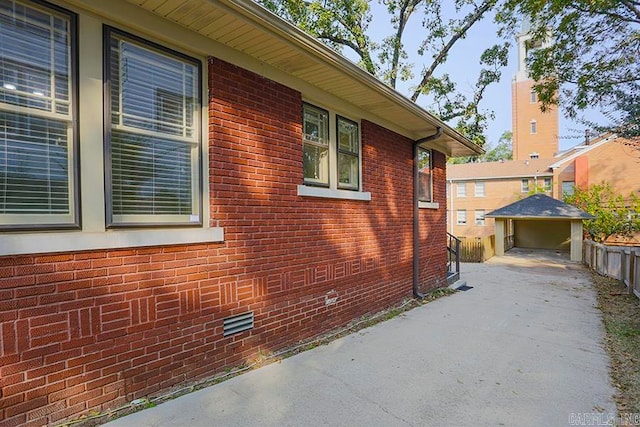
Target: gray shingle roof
539 206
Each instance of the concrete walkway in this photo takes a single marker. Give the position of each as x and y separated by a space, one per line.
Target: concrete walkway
522 347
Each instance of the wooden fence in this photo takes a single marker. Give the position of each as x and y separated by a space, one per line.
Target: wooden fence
477 249
618 262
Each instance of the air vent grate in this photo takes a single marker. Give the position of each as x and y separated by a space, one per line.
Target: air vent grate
237 324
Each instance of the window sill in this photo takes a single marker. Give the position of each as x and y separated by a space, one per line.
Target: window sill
428 205
328 193
38 243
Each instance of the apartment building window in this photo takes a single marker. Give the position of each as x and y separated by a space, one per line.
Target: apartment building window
479 189
524 185
533 97
479 217
547 184
534 127
461 217
319 152
424 175
461 189
568 187
534 156
38 111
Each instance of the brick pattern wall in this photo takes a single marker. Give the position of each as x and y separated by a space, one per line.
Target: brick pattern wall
93 330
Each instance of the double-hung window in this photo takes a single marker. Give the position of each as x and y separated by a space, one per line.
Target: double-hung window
425 176
330 150
348 154
479 217
316 145
524 185
547 184
461 217
38 112
461 189
479 189
152 136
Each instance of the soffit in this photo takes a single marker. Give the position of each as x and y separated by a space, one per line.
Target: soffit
248 28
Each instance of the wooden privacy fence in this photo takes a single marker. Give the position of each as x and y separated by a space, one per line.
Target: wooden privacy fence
477 249
619 262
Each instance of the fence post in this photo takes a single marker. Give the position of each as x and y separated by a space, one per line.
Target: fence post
632 271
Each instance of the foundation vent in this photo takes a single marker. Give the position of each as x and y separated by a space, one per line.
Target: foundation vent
237 324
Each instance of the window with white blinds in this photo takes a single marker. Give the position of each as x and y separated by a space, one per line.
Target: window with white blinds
153 137
38 146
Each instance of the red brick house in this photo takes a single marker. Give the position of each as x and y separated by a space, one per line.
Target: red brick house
185 184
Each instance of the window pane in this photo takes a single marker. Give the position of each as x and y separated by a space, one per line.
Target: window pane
34 58
461 189
348 136
152 91
316 163
36 143
34 166
316 125
150 176
154 146
348 166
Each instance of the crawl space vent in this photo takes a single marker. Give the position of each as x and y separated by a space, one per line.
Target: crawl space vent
239 323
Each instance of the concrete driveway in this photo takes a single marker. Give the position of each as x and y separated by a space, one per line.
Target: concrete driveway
522 347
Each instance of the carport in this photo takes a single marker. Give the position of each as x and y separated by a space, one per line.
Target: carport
541 222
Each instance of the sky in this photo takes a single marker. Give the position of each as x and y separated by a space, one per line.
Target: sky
463 67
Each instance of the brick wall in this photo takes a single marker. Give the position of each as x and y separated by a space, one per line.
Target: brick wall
95 329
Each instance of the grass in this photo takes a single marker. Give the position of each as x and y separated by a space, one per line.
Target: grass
621 317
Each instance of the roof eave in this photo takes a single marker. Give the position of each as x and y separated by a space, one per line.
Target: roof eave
452 143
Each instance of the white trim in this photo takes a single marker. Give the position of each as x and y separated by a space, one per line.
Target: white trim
582 151
484 178
428 205
329 193
38 243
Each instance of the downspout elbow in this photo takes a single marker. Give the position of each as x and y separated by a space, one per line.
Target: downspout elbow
416 211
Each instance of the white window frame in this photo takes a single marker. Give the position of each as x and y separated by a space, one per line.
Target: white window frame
524 185
479 189
479 217
533 96
533 127
461 189
461 217
547 184
54 221
333 189
94 234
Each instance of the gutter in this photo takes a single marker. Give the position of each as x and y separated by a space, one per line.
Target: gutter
416 211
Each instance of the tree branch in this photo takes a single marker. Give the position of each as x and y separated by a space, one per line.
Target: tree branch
439 59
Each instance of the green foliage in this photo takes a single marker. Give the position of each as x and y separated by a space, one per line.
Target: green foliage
494 153
592 60
344 24
615 214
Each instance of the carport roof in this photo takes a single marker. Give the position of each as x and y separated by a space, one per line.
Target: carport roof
539 206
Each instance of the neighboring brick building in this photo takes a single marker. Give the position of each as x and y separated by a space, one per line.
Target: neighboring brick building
238 187
478 188
475 189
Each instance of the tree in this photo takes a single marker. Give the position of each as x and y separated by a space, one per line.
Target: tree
494 153
593 60
615 214
344 24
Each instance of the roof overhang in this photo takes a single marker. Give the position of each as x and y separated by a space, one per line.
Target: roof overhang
247 27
